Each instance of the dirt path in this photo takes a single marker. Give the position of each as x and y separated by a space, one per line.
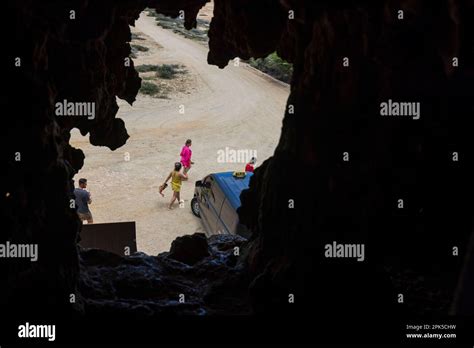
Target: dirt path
235 107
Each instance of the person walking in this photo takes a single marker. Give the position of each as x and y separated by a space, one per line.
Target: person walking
250 166
186 154
176 179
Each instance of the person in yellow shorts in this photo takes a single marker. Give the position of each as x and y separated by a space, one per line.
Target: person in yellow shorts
176 178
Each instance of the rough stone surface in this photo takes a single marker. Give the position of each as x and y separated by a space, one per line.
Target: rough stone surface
148 286
189 249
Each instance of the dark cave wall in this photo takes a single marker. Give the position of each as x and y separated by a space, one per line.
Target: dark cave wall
336 109
409 251
81 59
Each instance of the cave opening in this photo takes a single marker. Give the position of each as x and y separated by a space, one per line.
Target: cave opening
231 116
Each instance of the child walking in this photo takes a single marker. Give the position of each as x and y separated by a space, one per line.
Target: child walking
176 178
250 166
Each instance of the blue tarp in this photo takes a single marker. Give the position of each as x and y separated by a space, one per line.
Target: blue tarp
232 187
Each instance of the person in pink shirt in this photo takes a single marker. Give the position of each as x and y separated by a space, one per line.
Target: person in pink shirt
186 156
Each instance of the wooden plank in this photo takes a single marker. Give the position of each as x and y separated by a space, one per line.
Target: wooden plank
116 237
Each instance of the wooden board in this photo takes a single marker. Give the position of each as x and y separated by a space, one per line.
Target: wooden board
116 237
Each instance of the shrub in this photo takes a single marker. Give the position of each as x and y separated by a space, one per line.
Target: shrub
149 88
139 48
274 66
136 37
168 71
146 68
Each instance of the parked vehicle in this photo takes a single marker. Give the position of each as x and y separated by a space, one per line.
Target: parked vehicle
216 199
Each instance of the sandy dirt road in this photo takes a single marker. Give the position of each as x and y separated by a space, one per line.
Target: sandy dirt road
235 107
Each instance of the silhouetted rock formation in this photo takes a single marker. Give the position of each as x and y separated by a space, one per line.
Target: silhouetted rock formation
148 286
336 110
189 249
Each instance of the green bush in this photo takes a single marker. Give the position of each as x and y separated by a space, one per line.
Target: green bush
177 26
136 37
146 68
149 88
168 71
274 66
139 48
165 71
